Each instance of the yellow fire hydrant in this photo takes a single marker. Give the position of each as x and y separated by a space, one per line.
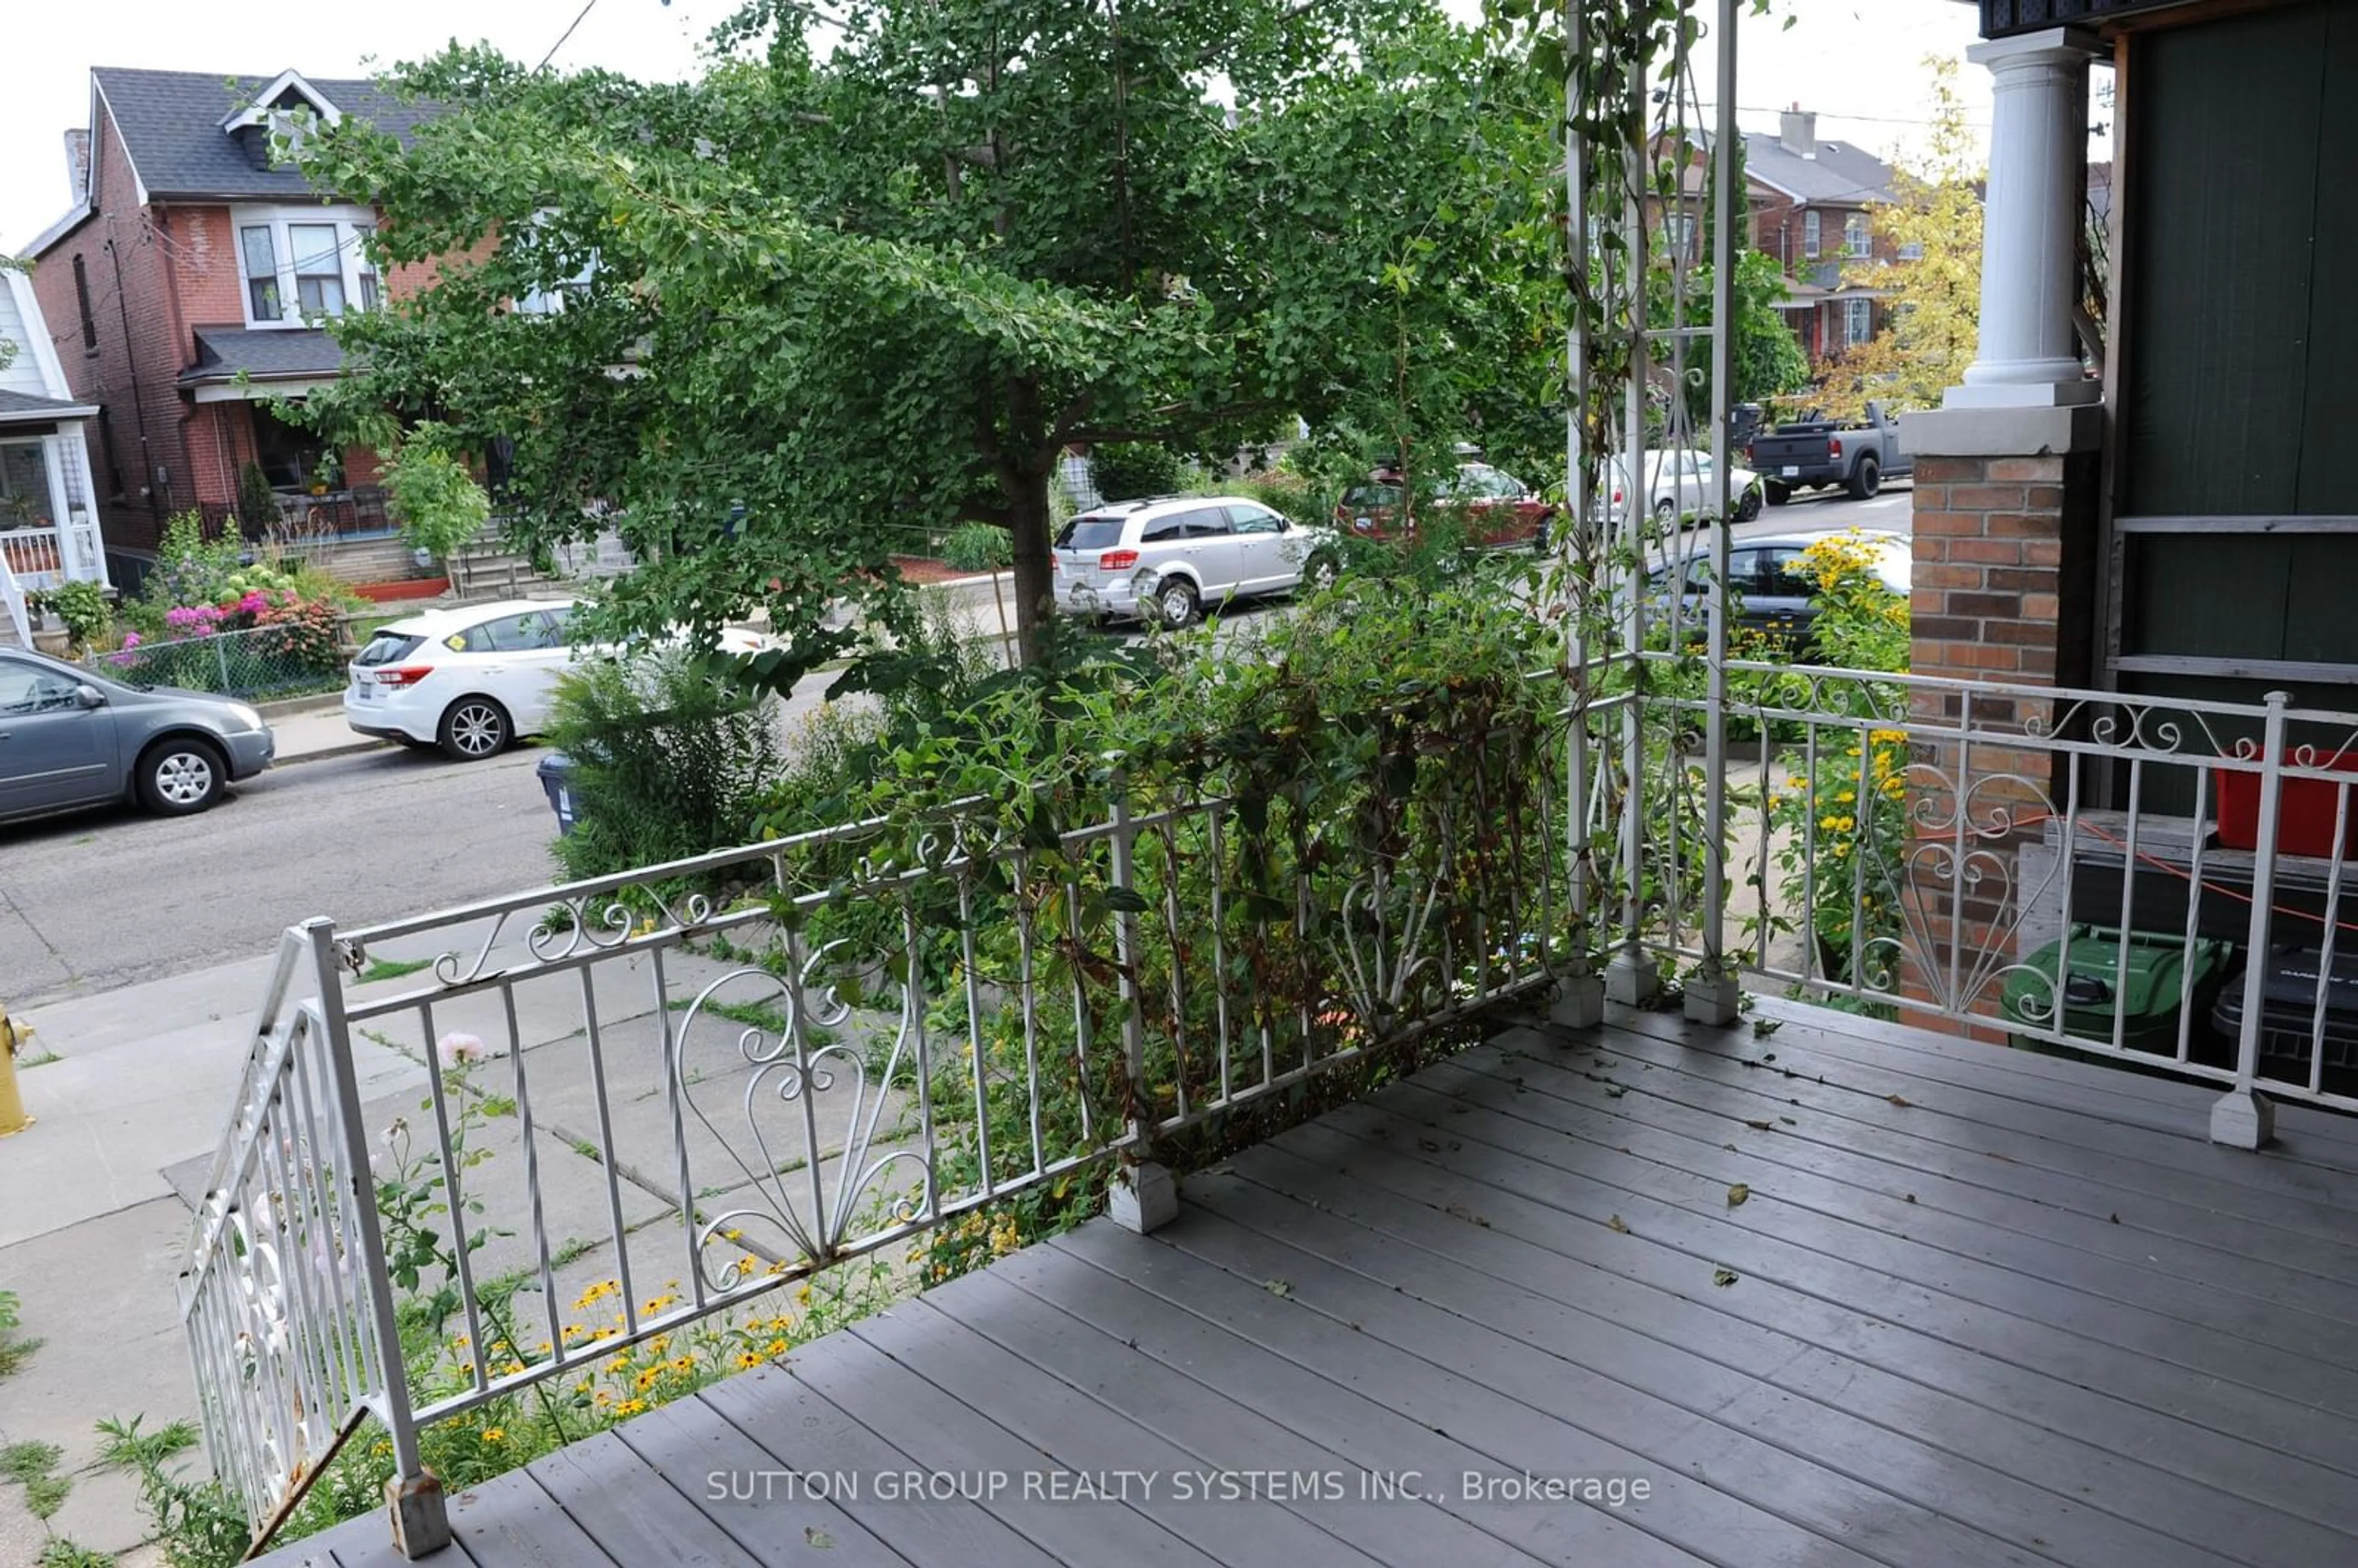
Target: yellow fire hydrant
12 1106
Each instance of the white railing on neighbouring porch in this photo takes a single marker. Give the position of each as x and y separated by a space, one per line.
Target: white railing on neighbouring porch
11 605
45 558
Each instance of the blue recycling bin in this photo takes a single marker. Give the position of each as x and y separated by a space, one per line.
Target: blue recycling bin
556 775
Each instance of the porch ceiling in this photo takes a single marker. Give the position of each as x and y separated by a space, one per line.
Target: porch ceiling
1972 1306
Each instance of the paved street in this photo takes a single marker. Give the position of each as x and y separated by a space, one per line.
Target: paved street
107 898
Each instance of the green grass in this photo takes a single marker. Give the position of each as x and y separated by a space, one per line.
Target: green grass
26 1064
392 969
62 1553
45 1495
499 1105
24 1463
126 1445
12 1353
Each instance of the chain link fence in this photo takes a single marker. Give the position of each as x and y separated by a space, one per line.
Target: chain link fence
260 662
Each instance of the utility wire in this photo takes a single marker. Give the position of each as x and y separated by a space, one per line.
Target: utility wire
565 35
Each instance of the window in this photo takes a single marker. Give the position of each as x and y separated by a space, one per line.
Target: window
1208 522
1810 233
541 238
318 268
261 272
1858 321
1255 519
29 688
1678 235
1855 238
1912 251
301 264
1163 530
288 455
532 631
366 269
81 297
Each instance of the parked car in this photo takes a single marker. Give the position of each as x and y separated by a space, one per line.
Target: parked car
1166 560
1774 590
472 679
1496 509
1682 483
1810 453
70 736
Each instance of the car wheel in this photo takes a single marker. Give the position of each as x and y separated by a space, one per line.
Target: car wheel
1666 512
182 775
1747 505
1776 495
1178 602
1865 479
474 728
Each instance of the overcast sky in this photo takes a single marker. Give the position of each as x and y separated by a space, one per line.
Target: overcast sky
1865 78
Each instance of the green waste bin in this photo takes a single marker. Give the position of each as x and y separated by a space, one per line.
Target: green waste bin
2162 973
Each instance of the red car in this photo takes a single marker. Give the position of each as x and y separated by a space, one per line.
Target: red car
1495 508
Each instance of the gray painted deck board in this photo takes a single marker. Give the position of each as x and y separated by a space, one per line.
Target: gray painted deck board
1430 1279
2154 1200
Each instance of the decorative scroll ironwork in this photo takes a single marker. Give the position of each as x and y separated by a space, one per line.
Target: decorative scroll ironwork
783 1073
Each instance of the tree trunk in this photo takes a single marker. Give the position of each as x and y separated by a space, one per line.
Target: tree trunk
1027 497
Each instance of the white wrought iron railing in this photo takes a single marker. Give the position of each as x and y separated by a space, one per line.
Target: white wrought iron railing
2157 880
708 1079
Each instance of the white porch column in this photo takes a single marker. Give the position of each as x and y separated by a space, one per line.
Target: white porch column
2030 226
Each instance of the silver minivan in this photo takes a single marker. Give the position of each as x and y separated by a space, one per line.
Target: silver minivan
1166 560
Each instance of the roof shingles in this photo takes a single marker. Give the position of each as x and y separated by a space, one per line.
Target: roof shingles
262 354
171 123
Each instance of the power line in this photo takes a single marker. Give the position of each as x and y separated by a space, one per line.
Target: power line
565 35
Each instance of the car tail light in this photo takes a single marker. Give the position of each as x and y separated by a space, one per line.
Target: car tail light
1616 495
402 675
1056 564
1117 561
1834 445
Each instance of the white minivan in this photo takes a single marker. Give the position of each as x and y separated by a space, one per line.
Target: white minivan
1166 560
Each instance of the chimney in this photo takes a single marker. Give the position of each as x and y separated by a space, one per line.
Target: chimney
78 161
1797 132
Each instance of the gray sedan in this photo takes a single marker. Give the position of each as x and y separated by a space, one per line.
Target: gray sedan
70 738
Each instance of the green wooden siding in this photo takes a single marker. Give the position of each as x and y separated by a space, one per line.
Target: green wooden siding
2241 367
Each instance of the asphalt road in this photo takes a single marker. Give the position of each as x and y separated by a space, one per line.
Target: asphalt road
111 897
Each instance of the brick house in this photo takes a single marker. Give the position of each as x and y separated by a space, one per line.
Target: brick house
1811 203
189 282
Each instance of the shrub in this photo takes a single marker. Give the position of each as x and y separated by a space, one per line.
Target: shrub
82 607
258 503
191 569
1127 471
437 502
669 759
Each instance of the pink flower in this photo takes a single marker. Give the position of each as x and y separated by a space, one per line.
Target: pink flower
130 639
456 1050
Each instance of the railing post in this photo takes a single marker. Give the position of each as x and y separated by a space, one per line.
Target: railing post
1580 994
1143 1196
421 1524
1712 994
1630 977
2243 1118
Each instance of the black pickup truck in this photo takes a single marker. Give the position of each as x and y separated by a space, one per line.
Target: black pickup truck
1811 453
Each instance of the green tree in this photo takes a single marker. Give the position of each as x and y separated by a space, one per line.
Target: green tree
894 279
1932 299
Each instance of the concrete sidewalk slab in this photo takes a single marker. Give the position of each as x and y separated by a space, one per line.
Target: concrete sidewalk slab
100 1293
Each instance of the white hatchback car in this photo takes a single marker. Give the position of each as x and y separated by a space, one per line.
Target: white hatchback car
1166 560
469 679
474 678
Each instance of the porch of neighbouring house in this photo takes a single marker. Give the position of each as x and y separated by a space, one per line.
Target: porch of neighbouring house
1833 1290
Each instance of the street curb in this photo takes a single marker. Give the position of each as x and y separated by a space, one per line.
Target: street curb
290 706
342 748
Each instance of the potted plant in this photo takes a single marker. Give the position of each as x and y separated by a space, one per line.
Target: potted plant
50 633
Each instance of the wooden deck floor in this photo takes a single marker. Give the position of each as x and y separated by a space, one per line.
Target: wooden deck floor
1972 1307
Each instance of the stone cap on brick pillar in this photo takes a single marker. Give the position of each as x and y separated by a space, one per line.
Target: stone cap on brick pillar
2001 432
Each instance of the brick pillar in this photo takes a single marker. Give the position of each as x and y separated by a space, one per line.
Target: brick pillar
2004 592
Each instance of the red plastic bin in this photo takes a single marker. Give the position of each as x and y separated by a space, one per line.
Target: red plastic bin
2305 809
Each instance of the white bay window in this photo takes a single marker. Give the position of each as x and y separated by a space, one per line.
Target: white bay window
301 264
